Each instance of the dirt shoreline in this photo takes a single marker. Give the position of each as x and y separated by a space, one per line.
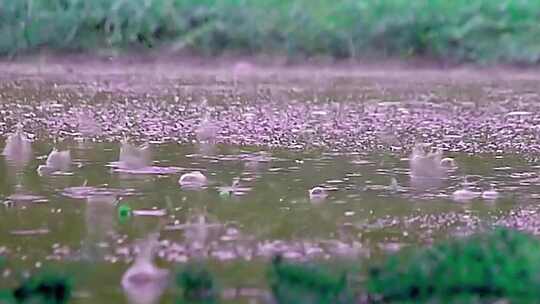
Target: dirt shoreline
69 66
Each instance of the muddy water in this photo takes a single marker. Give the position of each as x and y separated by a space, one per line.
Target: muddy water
48 218
274 141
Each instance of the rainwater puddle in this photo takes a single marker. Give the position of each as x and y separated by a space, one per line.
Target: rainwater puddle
255 204
312 165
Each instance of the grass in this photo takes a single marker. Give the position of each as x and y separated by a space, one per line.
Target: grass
304 283
197 285
483 31
43 288
484 268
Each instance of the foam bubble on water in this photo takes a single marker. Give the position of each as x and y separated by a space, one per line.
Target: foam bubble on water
318 194
193 180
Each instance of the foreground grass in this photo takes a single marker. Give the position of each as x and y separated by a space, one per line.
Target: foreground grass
297 283
476 30
501 265
483 268
42 288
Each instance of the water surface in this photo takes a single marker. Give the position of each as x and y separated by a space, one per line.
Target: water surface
271 212
277 134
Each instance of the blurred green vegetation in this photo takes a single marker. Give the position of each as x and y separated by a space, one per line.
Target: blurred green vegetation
483 31
305 283
483 268
197 285
43 288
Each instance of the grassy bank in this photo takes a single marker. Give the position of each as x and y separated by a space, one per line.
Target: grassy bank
476 30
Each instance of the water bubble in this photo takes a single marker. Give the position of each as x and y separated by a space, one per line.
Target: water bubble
318 194
193 180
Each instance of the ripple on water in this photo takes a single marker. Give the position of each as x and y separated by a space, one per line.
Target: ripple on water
29 232
150 212
84 192
150 170
23 197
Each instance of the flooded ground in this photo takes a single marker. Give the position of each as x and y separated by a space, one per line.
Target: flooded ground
262 138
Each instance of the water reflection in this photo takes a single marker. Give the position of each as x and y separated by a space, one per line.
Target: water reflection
422 184
198 231
18 153
143 282
100 223
134 181
22 195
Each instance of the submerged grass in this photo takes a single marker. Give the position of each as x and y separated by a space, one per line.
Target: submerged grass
477 30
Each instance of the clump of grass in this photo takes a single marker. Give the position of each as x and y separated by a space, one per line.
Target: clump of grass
502 264
460 30
197 285
302 283
44 288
